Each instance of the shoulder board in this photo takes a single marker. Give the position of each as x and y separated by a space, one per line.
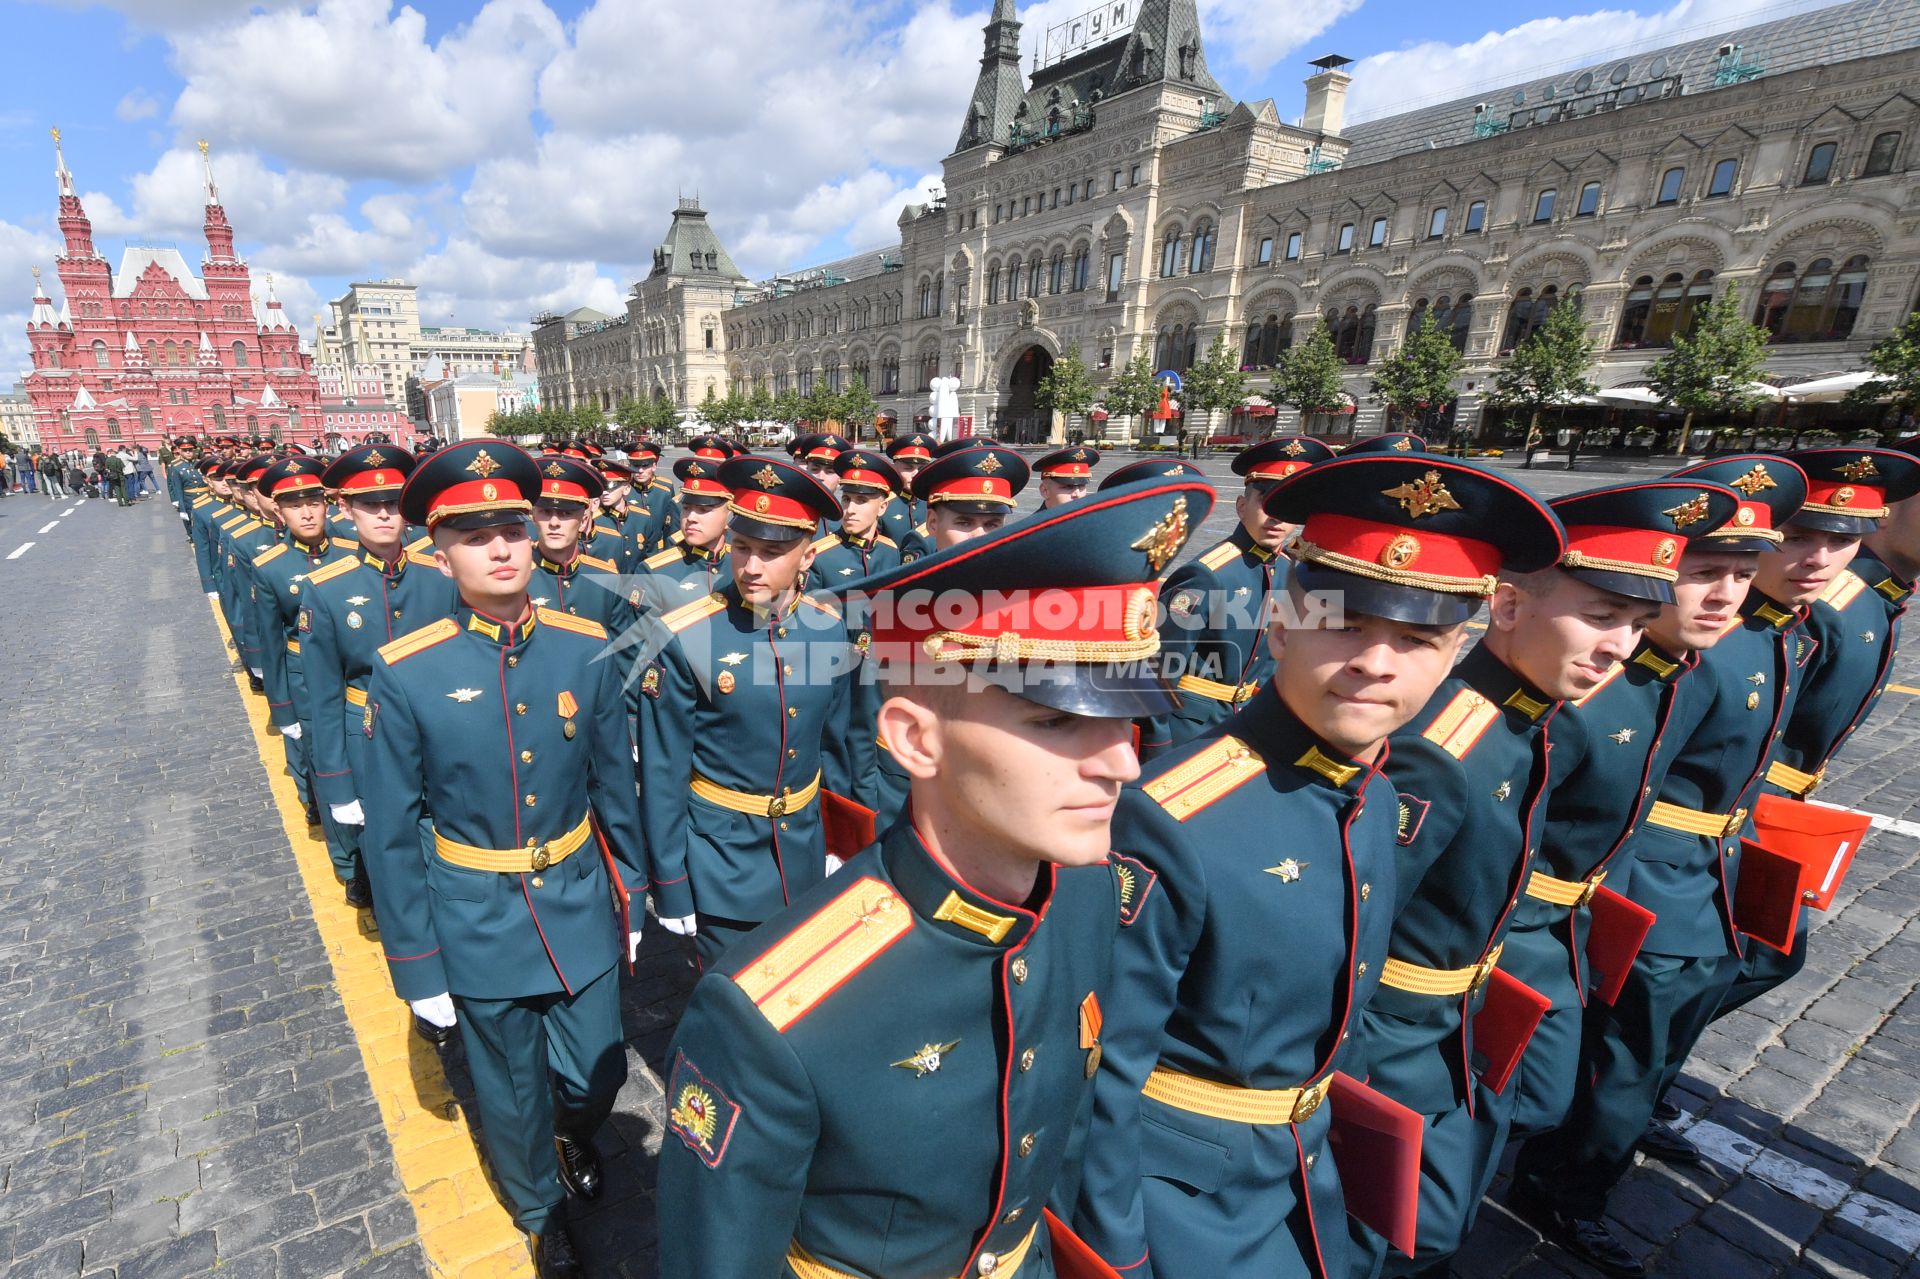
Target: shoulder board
1590 694
607 530
271 554
327 572
677 538
824 542
1221 556
921 529
351 543
568 622
421 545
1843 590
663 486
660 559
415 557
230 522
819 954
594 561
199 502
1218 770
1731 627
1460 725
418 641
687 614
822 605
881 539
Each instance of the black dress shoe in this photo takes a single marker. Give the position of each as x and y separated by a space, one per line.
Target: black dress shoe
313 813
255 683
554 1256
579 1165
359 889
1587 1238
1669 1147
438 1036
1666 1112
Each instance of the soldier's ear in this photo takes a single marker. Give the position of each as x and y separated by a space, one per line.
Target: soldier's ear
910 727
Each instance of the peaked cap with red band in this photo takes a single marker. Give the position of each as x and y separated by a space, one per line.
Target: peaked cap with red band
1849 490
369 470
1401 442
1412 538
866 469
293 477
1771 491
247 470
1150 469
917 447
1279 457
476 484
569 480
715 448
1061 608
823 447
699 476
1628 538
775 499
983 479
1074 463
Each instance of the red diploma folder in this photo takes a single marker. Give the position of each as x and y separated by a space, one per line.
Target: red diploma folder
622 899
1822 839
1766 901
1376 1143
1503 1026
1072 1258
848 825
1616 926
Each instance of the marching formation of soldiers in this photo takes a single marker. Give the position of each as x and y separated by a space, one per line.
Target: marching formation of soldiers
1065 904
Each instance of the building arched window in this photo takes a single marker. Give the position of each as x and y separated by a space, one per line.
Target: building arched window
1250 349
146 419
1201 257
993 284
100 359
939 293
173 353
889 375
1821 306
239 355
929 369
153 353
1057 273
1819 164
1035 276
113 428
1170 255
93 439
1082 258
1013 280
1527 314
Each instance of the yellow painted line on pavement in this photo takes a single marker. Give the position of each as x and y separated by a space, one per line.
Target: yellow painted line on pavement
464 1228
1908 689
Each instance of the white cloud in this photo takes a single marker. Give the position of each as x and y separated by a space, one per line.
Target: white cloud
1245 34
354 88
137 105
262 203
465 284
1435 71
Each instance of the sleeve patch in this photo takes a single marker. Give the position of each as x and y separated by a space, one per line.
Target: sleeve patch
1135 881
1413 811
700 1114
306 621
368 716
650 682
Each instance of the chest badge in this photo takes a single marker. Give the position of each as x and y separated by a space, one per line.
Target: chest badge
358 601
1288 870
1624 736
542 601
568 709
927 1060
464 695
1757 678
1753 701
846 572
725 683
1502 791
1867 636
733 659
1090 1023
354 621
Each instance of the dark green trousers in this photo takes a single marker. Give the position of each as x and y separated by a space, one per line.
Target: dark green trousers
1764 968
1633 1051
542 1064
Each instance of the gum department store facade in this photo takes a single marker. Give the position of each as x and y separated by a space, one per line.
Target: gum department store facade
1116 198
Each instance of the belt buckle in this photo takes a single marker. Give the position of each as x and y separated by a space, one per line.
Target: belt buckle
1483 970
1735 820
1587 889
1309 1100
1819 777
540 857
777 805
1243 693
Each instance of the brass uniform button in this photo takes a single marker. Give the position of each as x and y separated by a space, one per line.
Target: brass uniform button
1363 968
1026 1145
793 712
539 882
531 800
781 632
526 757
792 753
1020 970
786 670
519 708
1366 891
1026 1060
511 661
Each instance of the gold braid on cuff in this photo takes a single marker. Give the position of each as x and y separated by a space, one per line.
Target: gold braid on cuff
1481 586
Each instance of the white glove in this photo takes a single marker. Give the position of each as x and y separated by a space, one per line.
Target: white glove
681 927
833 863
256 672
437 1011
633 946
348 814
185 516
213 595
291 730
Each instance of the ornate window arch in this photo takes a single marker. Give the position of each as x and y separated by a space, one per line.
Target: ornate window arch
1528 311
1200 257
1818 304
1170 250
1656 313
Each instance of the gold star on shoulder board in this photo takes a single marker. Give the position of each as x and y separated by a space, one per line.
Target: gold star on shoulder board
1288 870
927 1060
1503 790
1624 736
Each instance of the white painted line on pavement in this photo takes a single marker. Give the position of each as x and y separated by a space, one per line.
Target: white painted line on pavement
20 550
1809 1185
70 510
1880 822
48 526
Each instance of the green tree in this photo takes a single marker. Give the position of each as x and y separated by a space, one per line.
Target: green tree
858 409
1067 389
661 416
760 406
1215 383
721 412
822 405
1549 369
631 414
1714 369
1895 361
1418 377
1308 376
1132 391
788 408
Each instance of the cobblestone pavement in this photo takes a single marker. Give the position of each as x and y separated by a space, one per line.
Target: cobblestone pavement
182 1087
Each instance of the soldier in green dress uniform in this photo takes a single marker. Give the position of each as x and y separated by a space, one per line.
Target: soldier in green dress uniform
1065 474
693 564
653 514
857 548
906 513
503 724
886 1078
565 576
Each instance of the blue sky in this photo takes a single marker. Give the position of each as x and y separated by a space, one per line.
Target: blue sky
514 155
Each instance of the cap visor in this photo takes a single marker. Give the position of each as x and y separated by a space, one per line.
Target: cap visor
1103 690
1385 599
1843 525
1734 545
1631 585
751 527
969 507
482 519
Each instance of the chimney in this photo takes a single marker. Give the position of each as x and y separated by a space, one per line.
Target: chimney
1327 95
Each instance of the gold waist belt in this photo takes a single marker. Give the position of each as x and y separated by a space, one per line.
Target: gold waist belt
1401 975
1792 780
1564 892
1231 694
1001 1265
740 801
1695 822
356 696
1233 1103
537 855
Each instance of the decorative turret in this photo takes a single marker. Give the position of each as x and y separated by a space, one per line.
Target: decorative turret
276 318
135 358
999 90
219 232
206 358
43 316
74 224
1165 45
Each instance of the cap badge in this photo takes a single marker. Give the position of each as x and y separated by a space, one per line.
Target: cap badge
1864 469
483 465
1844 495
1667 552
1688 513
1424 496
556 470
1743 516
1294 448
761 504
694 468
1164 540
489 491
379 477
766 477
1754 481
1141 612
376 458
1401 551
1079 455
1403 446
988 464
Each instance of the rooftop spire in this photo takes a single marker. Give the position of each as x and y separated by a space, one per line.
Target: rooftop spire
60 165
1000 86
74 226
206 162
